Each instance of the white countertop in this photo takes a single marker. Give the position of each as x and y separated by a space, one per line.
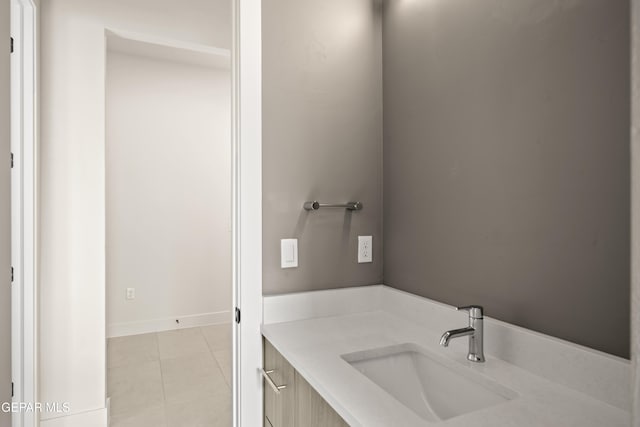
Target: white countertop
314 348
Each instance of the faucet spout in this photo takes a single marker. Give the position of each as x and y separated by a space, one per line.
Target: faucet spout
455 333
475 332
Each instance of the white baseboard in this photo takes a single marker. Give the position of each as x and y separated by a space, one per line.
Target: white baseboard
168 324
97 418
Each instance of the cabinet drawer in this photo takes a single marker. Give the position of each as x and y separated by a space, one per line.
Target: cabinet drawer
279 408
298 404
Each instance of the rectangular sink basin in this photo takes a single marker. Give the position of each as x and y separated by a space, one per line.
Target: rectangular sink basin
433 387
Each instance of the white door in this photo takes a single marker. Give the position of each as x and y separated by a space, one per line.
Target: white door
5 213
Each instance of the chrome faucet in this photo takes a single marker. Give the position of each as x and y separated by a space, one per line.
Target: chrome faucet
474 331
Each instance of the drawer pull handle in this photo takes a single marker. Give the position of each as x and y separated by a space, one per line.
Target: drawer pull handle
273 385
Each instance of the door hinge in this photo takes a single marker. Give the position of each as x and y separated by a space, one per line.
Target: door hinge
11 388
11 160
11 44
237 315
11 274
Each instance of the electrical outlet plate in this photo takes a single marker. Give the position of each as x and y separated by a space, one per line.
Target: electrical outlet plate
131 293
365 249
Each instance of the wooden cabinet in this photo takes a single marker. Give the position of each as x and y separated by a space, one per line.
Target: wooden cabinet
298 404
312 410
279 408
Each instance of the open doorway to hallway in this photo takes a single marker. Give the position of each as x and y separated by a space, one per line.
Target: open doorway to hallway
168 231
135 263
71 327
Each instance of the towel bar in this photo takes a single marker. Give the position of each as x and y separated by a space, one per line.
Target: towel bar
315 205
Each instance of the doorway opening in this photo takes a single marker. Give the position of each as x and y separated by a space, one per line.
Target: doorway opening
168 231
59 247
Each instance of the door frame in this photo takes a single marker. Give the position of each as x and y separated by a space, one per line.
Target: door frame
247 211
24 149
246 206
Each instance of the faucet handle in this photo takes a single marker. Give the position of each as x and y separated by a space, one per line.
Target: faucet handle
475 311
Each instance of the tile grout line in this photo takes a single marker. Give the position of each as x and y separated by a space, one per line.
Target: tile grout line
213 356
164 394
132 412
218 363
211 351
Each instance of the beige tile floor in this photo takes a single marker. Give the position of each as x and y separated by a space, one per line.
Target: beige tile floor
176 378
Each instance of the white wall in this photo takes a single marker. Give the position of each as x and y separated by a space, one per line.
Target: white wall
72 177
5 217
168 199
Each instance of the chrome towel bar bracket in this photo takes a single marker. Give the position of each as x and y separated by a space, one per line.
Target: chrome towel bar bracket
315 205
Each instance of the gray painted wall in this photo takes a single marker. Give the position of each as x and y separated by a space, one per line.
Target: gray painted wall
322 139
635 210
5 215
506 161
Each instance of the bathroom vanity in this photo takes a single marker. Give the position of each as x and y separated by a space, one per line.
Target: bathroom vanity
289 400
370 356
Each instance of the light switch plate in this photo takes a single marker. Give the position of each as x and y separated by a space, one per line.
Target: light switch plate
288 253
365 249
